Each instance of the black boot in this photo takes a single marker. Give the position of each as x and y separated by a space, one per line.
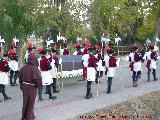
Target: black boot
50 94
154 75
135 84
101 73
52 97
5 96
46 90
11 82
148 76
96 80
109 89
134 79
15 80
88 94
40 94
54 86
97 76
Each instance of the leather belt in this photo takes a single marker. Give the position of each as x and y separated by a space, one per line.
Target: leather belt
28 83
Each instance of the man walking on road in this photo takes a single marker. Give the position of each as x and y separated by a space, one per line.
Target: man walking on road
4 68
29 79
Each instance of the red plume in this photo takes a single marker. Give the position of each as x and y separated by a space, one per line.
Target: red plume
40 50
11 52
29 45
97 46
76 45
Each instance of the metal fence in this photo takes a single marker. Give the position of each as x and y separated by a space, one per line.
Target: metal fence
71 62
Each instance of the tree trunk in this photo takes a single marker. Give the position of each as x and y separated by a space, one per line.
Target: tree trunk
156 26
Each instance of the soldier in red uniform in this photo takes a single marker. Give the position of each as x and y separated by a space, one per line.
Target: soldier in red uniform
136 66
4 68
45 68
54 63
91 73
88 46
147 56
54 47
131 56
30 79
30 50
78 51
13 64
66 51
100 58
84 61
85 51
110 64
154 58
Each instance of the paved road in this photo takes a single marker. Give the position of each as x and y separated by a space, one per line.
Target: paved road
71 102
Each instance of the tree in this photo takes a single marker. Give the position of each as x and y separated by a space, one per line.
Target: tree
121 17
46 17
156 12
52 20
17 18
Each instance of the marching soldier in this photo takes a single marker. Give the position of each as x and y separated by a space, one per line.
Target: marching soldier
131 57
4 68
30 80
91 73
78 51
85 57
45 67
111 63
54 47
100 68
65 51
13 64
147 56
54 63
87 47
136 66
30 50
154 58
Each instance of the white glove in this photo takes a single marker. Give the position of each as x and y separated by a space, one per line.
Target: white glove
118 61
60 60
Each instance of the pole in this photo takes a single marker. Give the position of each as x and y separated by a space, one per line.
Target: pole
98 78
120 70
98 83
121 79
59 87
118 49
61 71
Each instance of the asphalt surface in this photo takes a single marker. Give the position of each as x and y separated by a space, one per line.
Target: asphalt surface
71 103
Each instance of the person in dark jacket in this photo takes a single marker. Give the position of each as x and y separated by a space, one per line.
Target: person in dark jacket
30 79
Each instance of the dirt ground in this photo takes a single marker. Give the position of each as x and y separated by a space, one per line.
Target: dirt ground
146 107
